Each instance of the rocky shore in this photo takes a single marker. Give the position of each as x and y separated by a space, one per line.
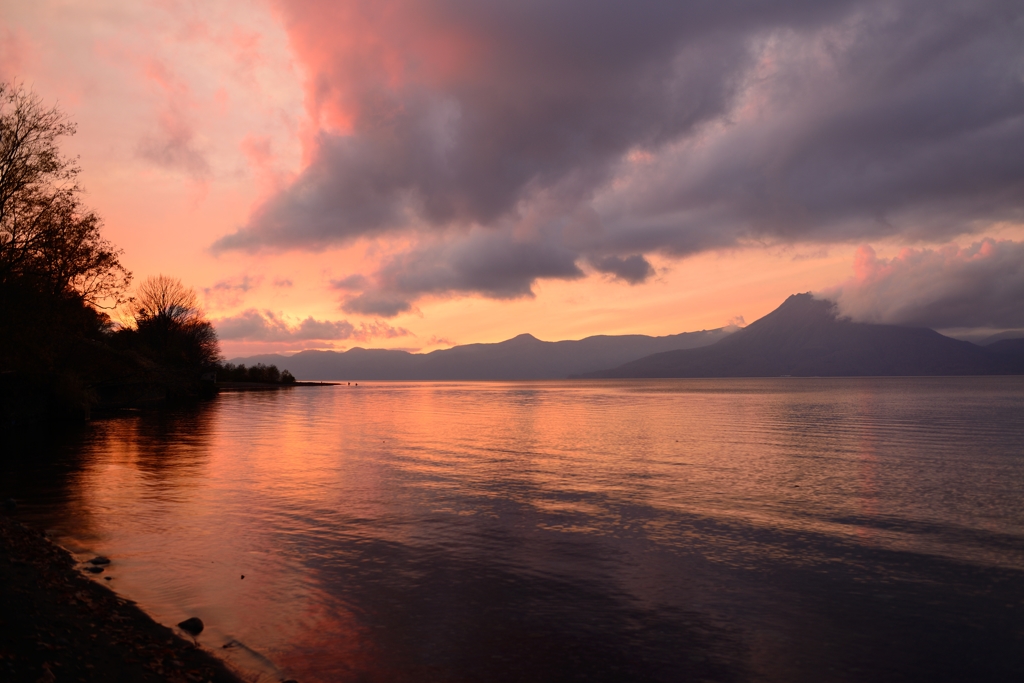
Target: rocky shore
58 625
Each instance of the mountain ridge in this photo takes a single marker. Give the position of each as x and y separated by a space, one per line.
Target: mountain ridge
806 336
522 357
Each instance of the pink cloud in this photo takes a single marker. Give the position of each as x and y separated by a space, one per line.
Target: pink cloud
981 285
16 53
230 292
254 325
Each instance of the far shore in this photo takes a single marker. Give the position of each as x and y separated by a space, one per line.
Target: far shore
266 386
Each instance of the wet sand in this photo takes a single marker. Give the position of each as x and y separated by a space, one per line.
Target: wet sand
58 625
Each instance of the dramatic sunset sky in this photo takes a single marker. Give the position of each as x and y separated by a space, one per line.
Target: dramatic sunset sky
412 174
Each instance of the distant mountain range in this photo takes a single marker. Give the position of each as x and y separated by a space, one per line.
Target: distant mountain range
519 358
803 337
806 337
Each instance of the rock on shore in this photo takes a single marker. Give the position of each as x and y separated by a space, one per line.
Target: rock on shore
57 625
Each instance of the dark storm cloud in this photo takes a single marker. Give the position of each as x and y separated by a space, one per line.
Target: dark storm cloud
488 263
468 153
676 127
981 286
910 129
632 269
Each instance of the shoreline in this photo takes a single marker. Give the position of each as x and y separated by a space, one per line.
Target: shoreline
56 624
268 386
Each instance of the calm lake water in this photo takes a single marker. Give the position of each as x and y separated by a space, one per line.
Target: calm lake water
668 530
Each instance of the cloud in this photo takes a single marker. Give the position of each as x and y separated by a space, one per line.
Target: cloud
384 304
16 53
669 128
175 144
350 282
440 341
980 286
632 269
230 292
283 282
267 326
493 264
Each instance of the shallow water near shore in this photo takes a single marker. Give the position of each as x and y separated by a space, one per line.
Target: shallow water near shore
663 530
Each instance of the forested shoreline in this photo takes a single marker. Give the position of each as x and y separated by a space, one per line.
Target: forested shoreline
75 338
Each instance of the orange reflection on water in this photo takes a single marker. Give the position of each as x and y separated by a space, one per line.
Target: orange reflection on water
481 531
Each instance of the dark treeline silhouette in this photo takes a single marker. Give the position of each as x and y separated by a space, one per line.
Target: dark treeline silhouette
57 273
61 354
265 374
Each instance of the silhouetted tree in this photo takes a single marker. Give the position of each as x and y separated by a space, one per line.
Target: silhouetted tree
166 318
229 372
59 354
55 267
264 373
48 240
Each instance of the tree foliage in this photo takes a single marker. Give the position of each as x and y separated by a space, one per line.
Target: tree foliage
166 318
59 353
47 236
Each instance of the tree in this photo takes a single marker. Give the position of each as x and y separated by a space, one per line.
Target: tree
56 274
165 298
73 258
48 239
166 316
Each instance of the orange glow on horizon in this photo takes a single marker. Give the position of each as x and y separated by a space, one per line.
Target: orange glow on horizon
189 118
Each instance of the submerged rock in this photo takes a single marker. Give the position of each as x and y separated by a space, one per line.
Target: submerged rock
192 626
94 570
99 559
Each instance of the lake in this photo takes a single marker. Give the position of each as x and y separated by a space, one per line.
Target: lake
658 530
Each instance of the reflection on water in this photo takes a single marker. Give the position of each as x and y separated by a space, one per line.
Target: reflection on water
778 530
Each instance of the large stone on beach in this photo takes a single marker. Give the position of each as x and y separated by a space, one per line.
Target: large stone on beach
192 626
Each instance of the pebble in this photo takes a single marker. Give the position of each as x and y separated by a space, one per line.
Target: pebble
192 626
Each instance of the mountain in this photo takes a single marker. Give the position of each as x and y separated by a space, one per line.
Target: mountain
522 357
1007 335
805 337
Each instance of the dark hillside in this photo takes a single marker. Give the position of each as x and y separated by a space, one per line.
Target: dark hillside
805 337
521 358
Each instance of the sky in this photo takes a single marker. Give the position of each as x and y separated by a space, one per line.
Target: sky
416 174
